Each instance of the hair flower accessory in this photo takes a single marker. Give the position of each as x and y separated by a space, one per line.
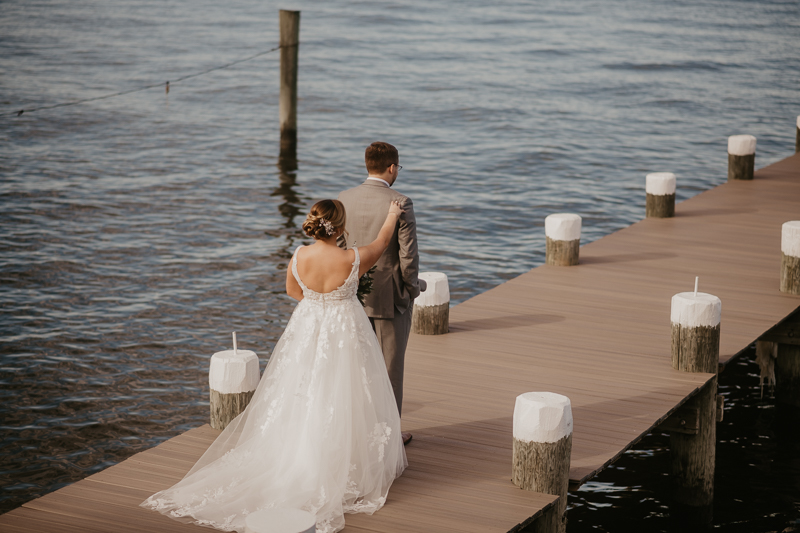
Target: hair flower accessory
327 225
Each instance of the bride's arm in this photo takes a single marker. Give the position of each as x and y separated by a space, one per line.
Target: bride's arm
292 287
372 252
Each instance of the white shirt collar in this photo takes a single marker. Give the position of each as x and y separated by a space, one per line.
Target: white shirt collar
379 180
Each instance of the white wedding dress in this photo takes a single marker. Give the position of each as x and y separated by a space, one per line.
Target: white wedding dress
322 432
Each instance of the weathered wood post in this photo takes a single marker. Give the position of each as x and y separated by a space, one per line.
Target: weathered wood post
790 257
563 239
660 188
787 374
741 157
766 353
287 109
232 377
432 307
778 357
695 321
280 520
787 364
541 452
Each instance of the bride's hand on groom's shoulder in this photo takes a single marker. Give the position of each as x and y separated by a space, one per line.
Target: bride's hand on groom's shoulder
396 209
371 252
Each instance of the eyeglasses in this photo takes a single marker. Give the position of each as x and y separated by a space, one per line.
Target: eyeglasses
398 166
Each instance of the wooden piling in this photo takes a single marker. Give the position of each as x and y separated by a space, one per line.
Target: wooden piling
541 452
790 257
787 374
431 314
660 189
233 376
563 239
741 157
695 321
692 460
766 354
287 111
778 356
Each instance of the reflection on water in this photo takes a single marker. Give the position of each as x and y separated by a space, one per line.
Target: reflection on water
291 207
138 232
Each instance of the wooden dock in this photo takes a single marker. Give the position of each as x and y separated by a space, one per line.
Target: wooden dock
598 333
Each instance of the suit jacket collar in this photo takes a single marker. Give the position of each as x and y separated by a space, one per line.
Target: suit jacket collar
374 183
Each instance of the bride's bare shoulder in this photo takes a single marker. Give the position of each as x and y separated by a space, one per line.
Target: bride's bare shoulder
329 255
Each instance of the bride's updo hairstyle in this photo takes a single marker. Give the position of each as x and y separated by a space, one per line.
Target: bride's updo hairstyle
325 217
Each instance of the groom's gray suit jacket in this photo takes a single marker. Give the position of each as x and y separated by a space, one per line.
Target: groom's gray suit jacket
395 282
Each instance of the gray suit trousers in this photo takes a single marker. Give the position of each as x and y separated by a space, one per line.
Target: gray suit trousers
392 335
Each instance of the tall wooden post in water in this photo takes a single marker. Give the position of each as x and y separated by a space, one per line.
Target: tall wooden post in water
695 321
287 110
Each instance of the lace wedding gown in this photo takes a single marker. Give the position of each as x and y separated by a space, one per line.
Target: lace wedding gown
322 432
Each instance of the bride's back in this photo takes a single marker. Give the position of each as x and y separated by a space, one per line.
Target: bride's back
324 268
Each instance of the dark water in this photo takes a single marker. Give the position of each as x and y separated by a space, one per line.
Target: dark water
137 232
757 483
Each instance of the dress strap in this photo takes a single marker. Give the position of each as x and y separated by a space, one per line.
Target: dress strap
294 269
356 265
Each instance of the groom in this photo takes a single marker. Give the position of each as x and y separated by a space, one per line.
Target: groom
395 283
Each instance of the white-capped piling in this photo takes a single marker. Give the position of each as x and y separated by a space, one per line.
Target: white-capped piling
660 188
541 451
280 520
790 257
289 23
431 314
563 239
741 157
695 321
787 364
232 377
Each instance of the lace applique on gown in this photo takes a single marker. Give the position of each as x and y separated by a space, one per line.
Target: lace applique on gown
322 432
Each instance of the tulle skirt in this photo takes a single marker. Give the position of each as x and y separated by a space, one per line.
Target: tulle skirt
322 432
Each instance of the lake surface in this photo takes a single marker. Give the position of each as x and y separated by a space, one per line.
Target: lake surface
137 232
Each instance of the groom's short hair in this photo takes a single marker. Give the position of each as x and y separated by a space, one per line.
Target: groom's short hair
380 156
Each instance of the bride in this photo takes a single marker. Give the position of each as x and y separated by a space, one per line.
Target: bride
322 432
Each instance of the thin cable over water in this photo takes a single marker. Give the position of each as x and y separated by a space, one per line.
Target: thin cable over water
138 89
